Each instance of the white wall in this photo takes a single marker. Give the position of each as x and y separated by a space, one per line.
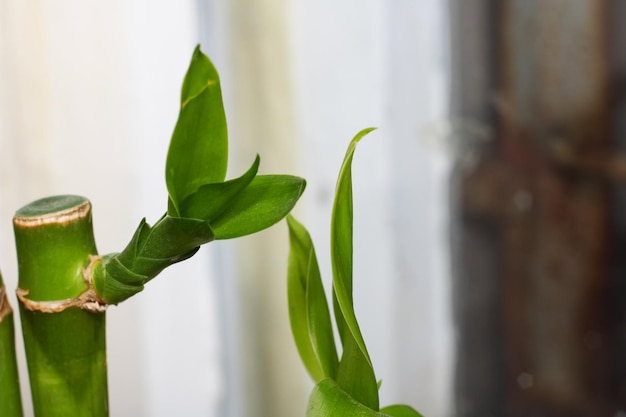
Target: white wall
89 99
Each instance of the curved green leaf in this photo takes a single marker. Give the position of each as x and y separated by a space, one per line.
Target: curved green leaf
341 242
264 202
356 373
400 410
308 309
198 152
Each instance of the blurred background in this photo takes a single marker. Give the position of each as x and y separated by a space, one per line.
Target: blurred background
489 204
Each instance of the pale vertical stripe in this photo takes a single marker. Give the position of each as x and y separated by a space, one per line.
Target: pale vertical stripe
182 374
416 96
261 120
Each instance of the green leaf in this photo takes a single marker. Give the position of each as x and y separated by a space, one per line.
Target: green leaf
211 200
308 309
341 242
400 410
172 210
152 249
170 239
198 197
329 400
198 152
356 373
264 202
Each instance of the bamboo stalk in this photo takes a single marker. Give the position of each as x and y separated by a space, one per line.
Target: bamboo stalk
65 287
10 398
63 324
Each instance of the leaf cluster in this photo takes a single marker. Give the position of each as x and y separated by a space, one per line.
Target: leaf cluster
202 206
346 386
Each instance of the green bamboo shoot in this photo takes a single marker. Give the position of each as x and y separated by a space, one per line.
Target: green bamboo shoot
10 398
63 324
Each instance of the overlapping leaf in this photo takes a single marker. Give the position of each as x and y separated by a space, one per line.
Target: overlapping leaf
328 399
210 200
308 309
267 200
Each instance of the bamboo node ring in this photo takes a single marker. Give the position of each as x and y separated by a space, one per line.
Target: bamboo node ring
87 300
5 307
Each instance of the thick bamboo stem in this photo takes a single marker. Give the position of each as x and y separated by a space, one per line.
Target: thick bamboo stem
10 398
64 339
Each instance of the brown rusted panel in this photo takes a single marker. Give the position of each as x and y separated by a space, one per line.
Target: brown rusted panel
543 195
554 276
554 90
554 72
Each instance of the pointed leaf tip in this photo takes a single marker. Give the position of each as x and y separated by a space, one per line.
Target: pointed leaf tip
356 373
201 74
198 151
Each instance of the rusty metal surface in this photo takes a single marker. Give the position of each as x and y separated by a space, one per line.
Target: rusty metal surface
546 186
555 88
554 70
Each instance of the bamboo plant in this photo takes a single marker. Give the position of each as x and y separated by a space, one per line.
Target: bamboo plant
65 286
10 399
346 385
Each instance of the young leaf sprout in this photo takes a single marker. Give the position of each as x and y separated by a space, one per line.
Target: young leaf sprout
345 386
